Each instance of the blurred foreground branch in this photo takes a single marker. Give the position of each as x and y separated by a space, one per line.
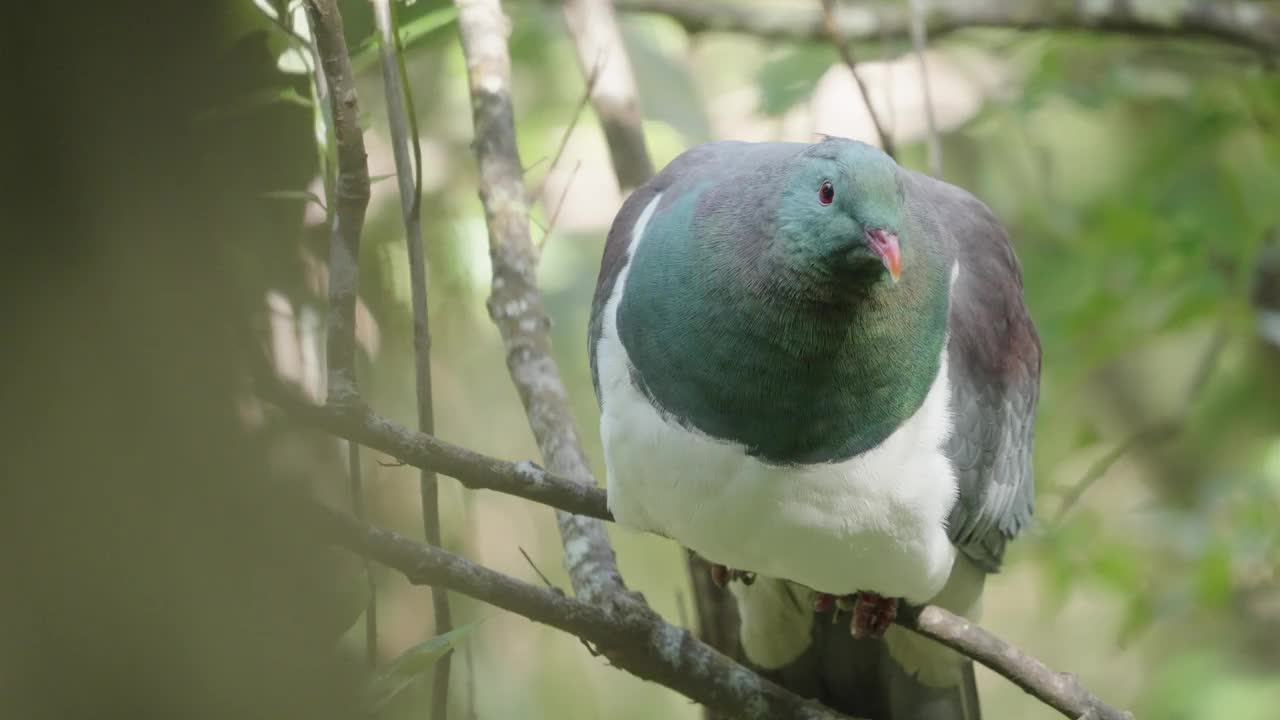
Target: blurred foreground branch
347 200
1252 25
403 122
598 41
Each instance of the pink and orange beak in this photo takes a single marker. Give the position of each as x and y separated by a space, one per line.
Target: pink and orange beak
885 244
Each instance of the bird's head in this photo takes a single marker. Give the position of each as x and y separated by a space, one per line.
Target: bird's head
841 215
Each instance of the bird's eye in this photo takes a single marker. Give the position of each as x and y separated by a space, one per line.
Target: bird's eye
826 193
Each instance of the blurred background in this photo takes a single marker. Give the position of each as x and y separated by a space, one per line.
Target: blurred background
1139 178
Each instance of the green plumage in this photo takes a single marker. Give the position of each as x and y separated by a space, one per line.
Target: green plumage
755 313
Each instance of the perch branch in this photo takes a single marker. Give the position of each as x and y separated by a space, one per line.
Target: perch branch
598 41
1061 691
636 639
632 636
1252 25
841 43
404 137
515 303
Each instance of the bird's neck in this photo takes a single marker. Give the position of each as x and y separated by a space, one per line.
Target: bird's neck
764 365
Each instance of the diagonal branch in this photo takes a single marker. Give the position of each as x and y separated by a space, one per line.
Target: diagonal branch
473 470
1061 691
403 122
836 35
632 636
1251 25
516 303
601 54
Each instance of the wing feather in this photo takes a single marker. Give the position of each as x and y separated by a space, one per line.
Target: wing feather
994 369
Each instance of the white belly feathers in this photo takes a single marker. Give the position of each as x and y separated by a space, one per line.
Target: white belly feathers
875 522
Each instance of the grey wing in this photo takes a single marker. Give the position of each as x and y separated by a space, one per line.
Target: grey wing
994 370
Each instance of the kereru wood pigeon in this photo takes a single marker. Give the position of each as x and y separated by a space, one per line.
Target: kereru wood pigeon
815 367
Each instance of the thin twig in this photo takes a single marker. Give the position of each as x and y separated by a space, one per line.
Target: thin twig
282 22
349 202
547 581
1150 435
536 192
598 41
837 38
919 44
515 303
555 213
404 140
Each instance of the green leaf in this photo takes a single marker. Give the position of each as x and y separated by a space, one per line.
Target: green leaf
1214 577
790 77
412 665
367 54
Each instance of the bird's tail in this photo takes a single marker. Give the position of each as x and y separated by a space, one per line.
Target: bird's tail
902 677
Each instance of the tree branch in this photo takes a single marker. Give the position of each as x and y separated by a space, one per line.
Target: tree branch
475 471
1061 691
403 123
632 636
348 199
352 190
836 35
516 303
636 639
1251 25
598 40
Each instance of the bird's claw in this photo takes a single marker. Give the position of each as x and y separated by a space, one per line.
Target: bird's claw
872 613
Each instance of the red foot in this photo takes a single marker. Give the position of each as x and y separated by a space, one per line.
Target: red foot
872 615
822 602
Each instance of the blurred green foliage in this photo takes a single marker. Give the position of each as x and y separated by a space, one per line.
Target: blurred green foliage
1138 178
